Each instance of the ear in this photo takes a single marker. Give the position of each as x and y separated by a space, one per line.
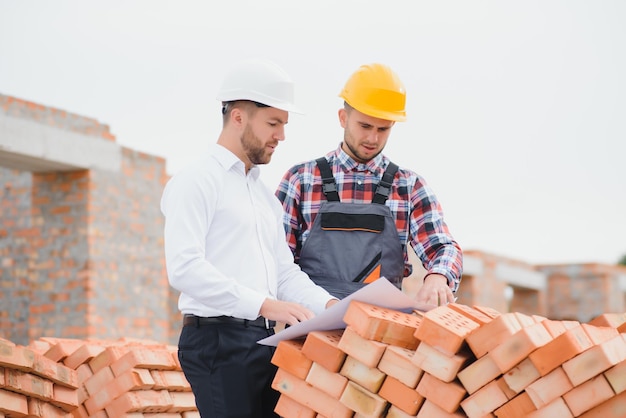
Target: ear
343 117
238 117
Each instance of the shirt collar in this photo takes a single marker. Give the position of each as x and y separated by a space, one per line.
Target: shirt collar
230 161
348 163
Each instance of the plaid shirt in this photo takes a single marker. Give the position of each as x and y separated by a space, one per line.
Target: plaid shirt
414 206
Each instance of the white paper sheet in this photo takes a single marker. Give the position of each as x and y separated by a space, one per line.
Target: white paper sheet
380 293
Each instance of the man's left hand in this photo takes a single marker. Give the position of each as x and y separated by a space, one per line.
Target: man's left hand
435 291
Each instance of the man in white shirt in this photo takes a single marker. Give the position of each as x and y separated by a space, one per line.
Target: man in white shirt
226 252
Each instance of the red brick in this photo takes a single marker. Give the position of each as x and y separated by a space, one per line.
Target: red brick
363 401
517 407
588 394
326 381
609 319
471 313
369 377
397 362
98 381
613 408
288 408
182 401
172 380
305 394
107 357
61 348
82 355
56 372
516 348
289 356
445 329
322 347
430 410
397 393
556 408
383 325
598 335
595 360
616 376
446 395
549 387
490 312
65 398
441 365
13 404
42 409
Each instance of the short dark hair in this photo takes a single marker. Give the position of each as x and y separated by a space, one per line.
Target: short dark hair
244 104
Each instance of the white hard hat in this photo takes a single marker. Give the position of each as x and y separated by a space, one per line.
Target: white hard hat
259 81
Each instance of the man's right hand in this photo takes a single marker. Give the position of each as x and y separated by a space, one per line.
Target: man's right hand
286 312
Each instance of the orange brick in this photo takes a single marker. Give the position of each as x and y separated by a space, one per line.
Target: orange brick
182 401
159 359
445 329
430 410
508 392
305 394
549 387
43 409
289 356
441 365
517 407
16 357
65 398
588 394
62 348
322 347
13 404
446 395
397 362
522 375
554 328
395 412
57 372
192 414
616 376
490 312
326 381
140 401
609 319
516 348
28 384
369 377
172 380
288 408
397 393
471 313
487 337
98 380
595 360
598 335
383 325
82 355
567 345
484 401
613 408
556 408
363 401
106 358
134 379
366 351
478 373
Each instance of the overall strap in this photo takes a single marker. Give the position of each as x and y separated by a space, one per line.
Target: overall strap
384 187
328 181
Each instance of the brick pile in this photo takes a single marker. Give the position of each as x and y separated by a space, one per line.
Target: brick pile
454 361
70 378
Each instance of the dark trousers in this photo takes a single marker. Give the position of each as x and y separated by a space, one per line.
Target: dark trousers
229 373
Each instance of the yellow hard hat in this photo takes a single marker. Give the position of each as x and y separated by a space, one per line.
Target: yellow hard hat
376 90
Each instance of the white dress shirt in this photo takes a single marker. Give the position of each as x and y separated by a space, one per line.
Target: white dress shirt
225 247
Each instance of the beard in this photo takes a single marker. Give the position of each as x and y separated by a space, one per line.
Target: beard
359 157
254 148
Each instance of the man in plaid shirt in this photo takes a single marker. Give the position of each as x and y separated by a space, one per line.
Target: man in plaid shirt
349 215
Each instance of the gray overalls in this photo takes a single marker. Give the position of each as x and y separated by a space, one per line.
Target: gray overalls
352 244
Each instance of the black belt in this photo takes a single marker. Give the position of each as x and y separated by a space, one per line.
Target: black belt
262 322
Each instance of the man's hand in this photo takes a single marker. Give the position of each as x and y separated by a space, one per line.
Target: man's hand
286 312
435 291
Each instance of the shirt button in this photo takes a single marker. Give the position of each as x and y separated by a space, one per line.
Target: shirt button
359 182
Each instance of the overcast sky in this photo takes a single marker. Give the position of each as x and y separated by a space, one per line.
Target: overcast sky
516 109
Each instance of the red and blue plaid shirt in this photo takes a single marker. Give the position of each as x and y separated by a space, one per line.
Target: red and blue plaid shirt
414 206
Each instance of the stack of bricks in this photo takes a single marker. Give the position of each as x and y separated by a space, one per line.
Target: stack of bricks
454 361
69 378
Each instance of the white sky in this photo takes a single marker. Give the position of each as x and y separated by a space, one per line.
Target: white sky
516 109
